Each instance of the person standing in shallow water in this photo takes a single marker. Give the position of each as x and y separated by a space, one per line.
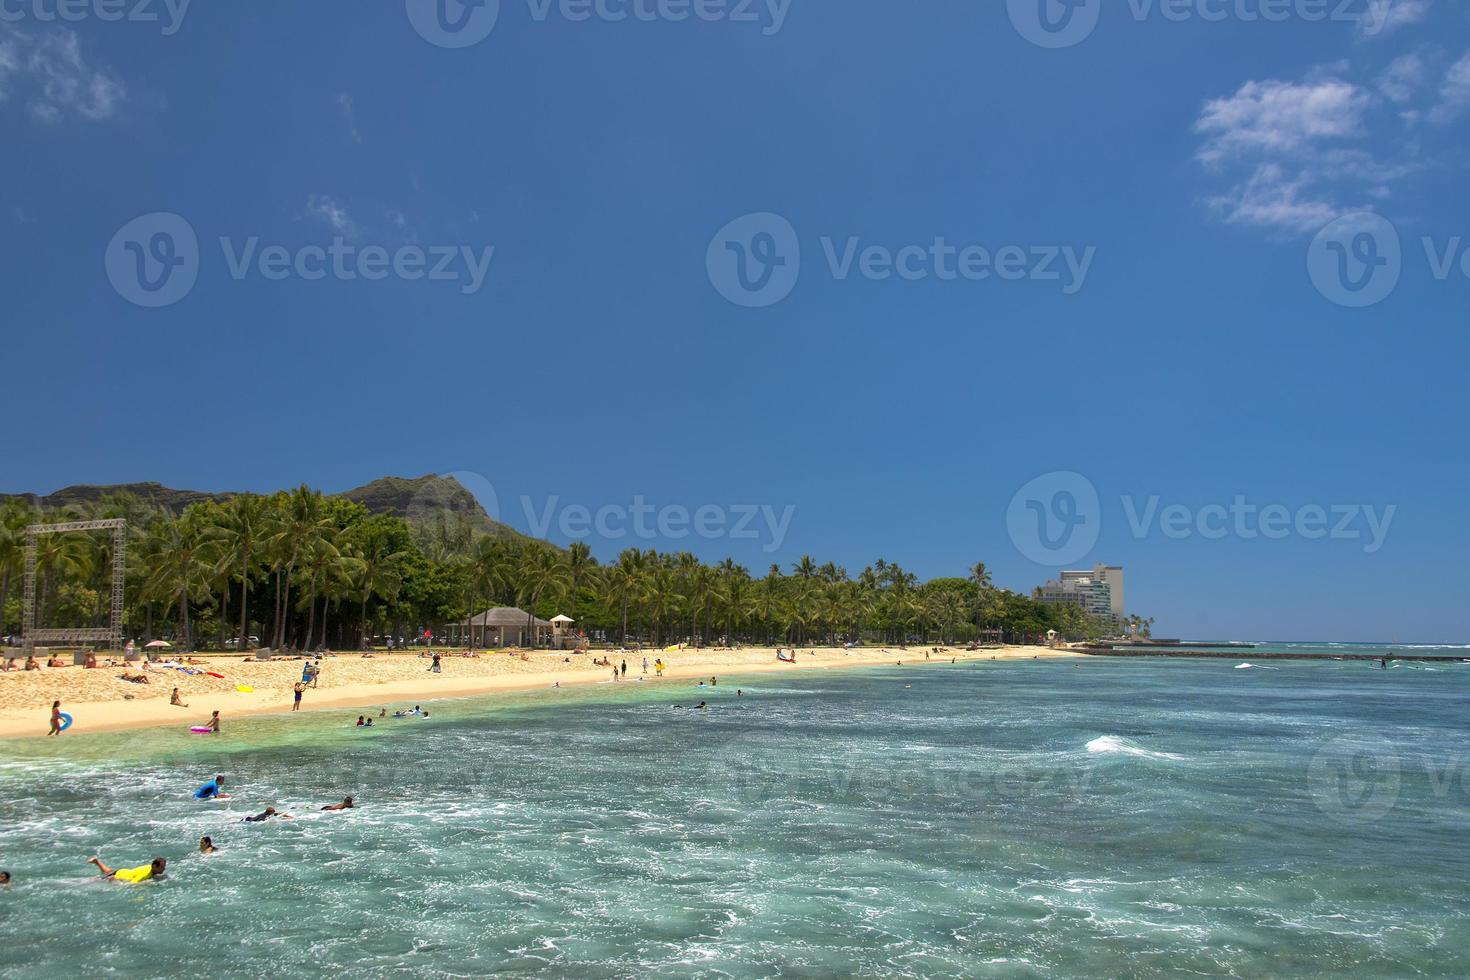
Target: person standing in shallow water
297 691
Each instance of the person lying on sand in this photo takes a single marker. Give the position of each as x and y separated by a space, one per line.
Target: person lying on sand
31 664
346 804
132 678
153 869
55 662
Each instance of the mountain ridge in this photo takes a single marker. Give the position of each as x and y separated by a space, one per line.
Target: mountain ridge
414 499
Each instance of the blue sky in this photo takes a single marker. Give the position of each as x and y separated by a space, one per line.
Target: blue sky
598 361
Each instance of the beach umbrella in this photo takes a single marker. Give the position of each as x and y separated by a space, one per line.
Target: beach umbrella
157 645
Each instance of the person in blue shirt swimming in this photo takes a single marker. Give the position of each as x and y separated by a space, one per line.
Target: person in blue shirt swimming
212 790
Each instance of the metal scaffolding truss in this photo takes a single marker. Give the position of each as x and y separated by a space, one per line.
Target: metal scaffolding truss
112 635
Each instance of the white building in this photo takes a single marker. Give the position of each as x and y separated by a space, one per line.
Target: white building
1099 591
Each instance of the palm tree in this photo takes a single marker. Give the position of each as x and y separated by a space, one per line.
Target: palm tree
661 595
542 575
320 561
241 535
184 562
301 521
734 595
15 517
579 563
624 583
377 574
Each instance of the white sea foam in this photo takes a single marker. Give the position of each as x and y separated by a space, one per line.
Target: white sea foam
1113 745
1254 667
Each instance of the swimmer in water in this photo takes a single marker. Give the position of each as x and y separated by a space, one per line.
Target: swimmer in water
4 878
153 869
206 846
265 815
212 790
346 804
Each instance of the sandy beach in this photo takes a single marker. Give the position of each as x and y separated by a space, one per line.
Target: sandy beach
99 701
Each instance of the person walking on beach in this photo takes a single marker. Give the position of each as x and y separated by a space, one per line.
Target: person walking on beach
625 668
297 691
316 673
615 673
55 719
645 665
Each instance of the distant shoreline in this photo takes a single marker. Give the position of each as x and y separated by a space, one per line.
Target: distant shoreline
97 701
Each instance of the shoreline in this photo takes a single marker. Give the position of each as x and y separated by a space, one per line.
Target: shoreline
273 694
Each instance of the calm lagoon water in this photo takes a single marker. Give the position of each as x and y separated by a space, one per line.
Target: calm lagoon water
1117 818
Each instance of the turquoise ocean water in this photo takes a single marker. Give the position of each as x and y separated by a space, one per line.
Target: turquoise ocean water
1116 818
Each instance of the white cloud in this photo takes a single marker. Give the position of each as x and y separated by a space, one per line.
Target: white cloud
1383 17
1454 93
1273 198
344 102
1280 117
1401 80
325 209
53 65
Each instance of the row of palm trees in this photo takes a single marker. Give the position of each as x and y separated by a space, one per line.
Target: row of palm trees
309 571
